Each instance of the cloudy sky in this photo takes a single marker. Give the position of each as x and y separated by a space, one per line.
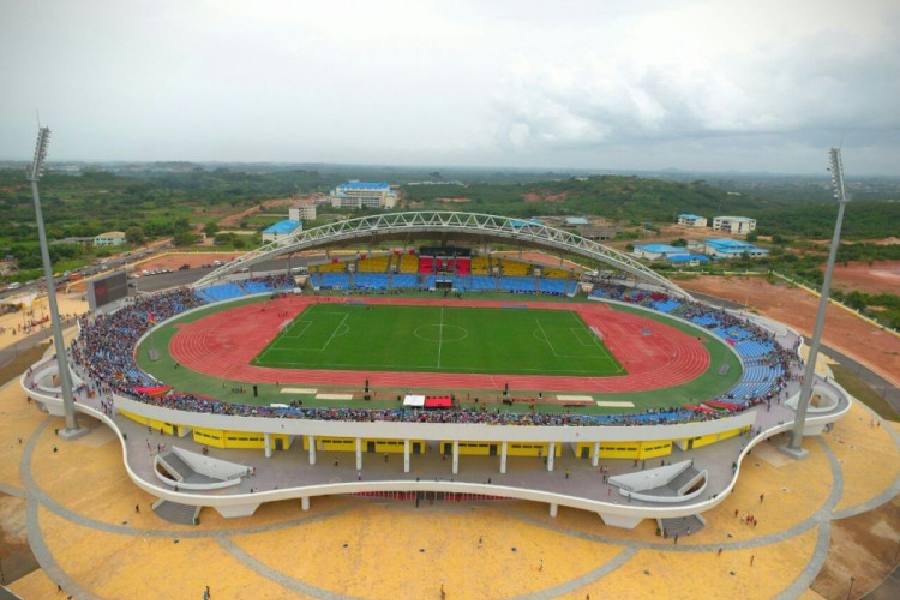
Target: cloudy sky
759 85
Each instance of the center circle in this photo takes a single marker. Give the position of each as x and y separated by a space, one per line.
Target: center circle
432 332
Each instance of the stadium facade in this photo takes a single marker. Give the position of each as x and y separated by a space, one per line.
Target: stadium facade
660 464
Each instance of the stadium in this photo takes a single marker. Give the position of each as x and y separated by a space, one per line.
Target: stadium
424 365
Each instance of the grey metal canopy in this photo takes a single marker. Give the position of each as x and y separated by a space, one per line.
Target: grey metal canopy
412 224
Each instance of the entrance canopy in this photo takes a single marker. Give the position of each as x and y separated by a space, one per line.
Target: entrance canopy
414 400
437 402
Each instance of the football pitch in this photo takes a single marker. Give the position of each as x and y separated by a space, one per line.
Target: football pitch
441 339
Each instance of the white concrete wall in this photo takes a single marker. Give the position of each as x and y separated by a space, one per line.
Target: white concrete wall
211 467
439 431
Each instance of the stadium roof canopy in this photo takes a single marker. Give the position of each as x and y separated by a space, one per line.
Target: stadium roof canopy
445 225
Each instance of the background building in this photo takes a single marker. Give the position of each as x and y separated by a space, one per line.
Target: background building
305 211
280 230
691 220
9 265
657 251
734 224
110 238
729 248
361 194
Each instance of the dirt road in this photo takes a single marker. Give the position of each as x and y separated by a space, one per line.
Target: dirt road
880 277
877 349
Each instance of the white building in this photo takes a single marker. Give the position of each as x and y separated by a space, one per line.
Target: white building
110 238
303 212
691 220
361 194
734 224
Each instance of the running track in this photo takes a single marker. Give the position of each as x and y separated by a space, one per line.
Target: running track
223 344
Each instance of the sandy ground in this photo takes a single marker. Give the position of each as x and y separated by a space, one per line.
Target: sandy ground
881 277
235 219
475 551
877 349
865 547
69 304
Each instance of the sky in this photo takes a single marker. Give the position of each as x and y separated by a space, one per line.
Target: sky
759 85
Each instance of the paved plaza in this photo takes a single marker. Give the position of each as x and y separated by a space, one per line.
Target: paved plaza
82 525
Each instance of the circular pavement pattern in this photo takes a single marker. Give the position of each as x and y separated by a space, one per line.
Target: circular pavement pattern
83 527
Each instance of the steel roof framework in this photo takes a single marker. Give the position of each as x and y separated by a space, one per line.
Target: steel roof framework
407 223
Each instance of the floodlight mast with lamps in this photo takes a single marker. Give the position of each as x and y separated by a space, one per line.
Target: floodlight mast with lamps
65 379
836 166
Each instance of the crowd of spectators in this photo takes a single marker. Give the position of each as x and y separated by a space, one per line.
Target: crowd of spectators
105 351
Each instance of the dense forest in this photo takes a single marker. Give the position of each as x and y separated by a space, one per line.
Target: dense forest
631 200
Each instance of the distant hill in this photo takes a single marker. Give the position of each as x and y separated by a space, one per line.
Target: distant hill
633 200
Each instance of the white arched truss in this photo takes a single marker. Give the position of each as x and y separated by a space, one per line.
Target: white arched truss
412 224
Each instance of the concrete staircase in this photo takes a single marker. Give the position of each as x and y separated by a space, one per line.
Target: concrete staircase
681 526
174 464
173 512
681 480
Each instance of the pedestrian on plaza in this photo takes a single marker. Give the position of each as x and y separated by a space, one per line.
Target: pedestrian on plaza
137 509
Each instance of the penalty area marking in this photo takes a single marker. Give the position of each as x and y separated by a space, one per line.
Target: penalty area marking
295 335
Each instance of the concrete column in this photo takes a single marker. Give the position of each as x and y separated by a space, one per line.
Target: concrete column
554 509
595 459
312 449
304 502
406 456
267 445
550 455
359 454
503 457
455 467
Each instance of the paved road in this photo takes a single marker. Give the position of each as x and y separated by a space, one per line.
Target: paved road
152 283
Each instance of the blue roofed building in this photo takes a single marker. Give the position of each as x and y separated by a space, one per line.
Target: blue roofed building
658 251
363 194
691 220
729 248
280 230
524 222
690 260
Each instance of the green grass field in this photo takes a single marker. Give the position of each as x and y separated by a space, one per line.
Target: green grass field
442 339
723 373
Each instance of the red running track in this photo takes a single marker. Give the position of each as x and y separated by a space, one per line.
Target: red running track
223 344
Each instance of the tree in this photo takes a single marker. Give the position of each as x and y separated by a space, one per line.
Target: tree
211 228
752 236
134 235
184 238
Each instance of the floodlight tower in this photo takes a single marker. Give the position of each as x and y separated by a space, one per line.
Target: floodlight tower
836 166
65 379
